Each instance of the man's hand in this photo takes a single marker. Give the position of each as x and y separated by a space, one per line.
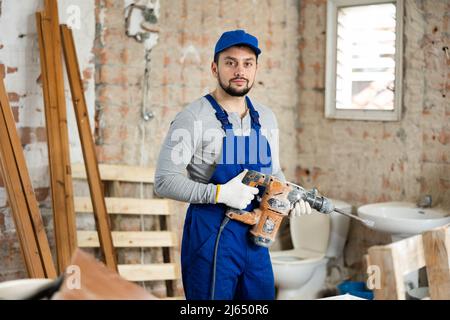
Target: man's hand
235 194
300 208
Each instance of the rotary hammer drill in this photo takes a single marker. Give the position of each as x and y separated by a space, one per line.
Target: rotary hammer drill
276 203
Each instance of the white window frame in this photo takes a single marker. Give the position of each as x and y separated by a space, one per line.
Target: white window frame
331 56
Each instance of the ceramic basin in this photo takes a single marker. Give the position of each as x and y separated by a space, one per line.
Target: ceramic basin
403 218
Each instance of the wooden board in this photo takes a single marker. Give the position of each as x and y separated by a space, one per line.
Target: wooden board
437 255
87 144
28 221
111 172
57 135
128 206
130 239
149 272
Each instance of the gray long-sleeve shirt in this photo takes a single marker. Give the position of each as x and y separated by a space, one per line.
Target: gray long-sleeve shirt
193 145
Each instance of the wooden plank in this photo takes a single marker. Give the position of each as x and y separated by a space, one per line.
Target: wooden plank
395 261
51 12
87 143
16 193
110 172
62 201
410 253
437 255
113 188
383 258
25 182
17 202
127 206
149 272
130 239
52 7
168 256
51 16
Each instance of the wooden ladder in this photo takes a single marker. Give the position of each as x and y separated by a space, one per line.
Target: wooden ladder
166 239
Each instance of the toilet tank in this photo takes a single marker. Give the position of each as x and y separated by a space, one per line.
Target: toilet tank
322 233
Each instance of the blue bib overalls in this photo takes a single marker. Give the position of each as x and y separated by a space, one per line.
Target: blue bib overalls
243 269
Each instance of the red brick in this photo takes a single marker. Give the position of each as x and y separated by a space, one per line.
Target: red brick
87 73
114 16
444 183
13 97
11 70
386 184
112 35
30 135
112 4
115 134
383 198
41 194
166 60
110 153
444 136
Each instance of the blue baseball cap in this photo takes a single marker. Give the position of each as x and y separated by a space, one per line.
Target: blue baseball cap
237 37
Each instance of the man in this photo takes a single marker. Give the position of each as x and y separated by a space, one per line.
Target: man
217 138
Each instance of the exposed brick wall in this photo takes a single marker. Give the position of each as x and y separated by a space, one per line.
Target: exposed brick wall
180 73
180 69
369 161
19 53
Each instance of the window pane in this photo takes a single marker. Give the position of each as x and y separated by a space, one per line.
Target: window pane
365 70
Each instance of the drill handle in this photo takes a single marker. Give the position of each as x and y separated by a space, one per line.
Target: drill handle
247 217
254 179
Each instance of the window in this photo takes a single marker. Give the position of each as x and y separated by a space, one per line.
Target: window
364 59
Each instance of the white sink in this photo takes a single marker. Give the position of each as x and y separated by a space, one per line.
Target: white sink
403 219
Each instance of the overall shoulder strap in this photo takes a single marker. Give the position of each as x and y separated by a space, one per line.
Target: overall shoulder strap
253 114
221 114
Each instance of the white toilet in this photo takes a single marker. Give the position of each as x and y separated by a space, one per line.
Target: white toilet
300 273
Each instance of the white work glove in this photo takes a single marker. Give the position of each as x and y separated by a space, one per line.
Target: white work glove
235 194
300 208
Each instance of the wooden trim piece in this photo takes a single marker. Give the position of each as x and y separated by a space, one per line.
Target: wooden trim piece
131 239
51 11
95 185
127 206
111 172
29 225
168 254
57 136
437 255
149 272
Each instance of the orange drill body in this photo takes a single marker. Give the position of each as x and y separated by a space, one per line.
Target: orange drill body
274 206
276 203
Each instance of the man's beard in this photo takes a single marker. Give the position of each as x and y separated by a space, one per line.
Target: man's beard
232 91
